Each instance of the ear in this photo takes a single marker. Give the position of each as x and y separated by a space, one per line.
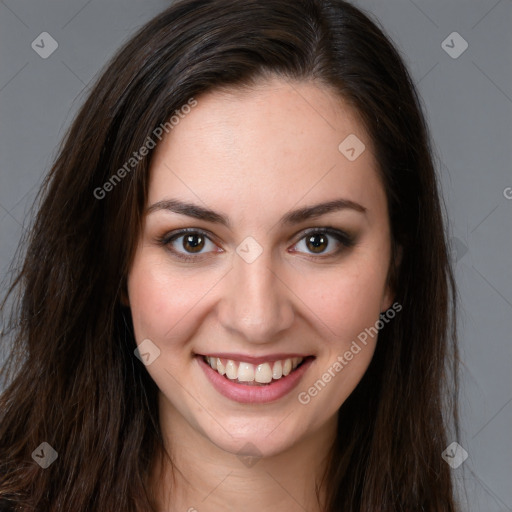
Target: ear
389 293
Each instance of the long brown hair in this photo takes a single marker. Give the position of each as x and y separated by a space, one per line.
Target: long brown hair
72 379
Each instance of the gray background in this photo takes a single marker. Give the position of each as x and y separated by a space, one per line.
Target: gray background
468 100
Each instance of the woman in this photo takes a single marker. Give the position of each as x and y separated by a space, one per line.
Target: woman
236 293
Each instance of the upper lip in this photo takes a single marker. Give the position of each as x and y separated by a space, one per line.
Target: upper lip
255 360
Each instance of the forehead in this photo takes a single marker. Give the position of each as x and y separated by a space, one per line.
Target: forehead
277 143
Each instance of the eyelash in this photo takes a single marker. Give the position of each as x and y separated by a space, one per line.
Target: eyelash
343 238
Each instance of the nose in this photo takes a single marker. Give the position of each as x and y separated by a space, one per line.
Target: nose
257 304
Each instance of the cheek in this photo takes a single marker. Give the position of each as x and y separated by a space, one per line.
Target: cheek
163 303
345 300
346 305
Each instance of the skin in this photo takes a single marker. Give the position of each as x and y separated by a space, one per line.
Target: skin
253 155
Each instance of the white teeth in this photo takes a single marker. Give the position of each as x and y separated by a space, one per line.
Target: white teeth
245 372
263 373
277 371
231 370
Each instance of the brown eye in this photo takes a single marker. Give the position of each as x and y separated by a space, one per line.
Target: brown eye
193 242
317 243
191 246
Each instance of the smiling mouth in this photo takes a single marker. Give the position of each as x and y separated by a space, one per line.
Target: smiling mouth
249 374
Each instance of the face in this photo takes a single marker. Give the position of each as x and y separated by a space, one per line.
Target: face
251 287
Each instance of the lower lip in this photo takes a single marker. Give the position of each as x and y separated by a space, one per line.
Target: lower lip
254 394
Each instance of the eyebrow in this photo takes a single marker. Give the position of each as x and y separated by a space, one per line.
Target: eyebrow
290 218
